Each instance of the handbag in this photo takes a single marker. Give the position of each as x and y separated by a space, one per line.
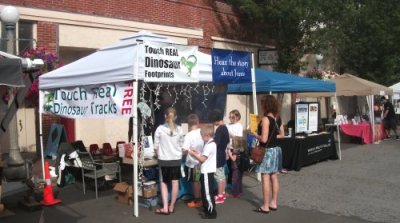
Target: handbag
258 152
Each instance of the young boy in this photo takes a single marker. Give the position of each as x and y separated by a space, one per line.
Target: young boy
221 138
208 160
193 140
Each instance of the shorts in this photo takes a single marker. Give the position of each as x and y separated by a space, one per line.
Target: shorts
219 174
193 174
170 173
390 124
378 120
272 162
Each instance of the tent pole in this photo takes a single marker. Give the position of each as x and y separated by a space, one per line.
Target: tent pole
338 128
371 102
254 91
135 137
41 131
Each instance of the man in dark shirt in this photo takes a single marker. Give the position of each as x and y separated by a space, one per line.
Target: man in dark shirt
389 117
221 138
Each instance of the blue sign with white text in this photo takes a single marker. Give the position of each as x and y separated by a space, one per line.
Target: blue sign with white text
230 66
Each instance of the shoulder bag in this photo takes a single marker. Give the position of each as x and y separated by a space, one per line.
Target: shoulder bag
258 152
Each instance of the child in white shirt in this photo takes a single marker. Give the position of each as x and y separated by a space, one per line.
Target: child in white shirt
208 160
193 140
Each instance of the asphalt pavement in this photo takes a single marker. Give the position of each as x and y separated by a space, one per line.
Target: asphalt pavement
362 187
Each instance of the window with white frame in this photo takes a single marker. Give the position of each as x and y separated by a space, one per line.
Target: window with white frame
25 34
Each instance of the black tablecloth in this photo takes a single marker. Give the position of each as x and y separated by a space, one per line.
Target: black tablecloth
299 152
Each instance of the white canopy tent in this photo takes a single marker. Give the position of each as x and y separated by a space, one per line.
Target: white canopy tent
116 63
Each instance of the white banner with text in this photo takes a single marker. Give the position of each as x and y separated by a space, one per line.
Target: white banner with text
165 62
94 101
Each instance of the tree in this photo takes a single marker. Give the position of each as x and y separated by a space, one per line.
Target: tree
357 36
283 21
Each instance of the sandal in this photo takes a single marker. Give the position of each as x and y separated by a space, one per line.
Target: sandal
273 209
161 211
171 210
260 210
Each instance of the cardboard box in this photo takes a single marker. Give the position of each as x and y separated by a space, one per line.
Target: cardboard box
124 191
149 192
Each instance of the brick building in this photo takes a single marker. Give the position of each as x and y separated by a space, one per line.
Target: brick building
74 29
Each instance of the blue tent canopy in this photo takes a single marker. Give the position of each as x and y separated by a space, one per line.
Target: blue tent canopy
270 81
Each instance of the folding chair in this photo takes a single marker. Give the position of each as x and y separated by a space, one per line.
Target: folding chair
95 170
94 149
107 149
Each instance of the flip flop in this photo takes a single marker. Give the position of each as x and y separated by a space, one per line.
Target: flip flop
260 210
160 211
273 209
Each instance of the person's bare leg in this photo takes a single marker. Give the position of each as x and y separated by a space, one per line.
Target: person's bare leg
275 189
196 190
164 196
221 187
265 179
174 195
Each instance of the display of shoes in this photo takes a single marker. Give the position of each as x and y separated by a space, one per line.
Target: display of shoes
219 199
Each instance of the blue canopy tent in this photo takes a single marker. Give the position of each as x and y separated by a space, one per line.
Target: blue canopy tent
276 82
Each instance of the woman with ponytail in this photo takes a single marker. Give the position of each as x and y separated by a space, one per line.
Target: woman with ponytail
168 145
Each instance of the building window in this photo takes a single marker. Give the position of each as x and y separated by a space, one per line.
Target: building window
25 34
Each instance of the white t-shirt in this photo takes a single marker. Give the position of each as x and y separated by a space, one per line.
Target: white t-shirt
169 147
235 129
194 140
210 151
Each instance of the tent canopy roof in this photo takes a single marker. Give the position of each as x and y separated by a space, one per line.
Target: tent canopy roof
270 81
114 63
350 85
396 87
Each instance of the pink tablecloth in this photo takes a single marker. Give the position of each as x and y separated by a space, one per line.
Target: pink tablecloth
362 130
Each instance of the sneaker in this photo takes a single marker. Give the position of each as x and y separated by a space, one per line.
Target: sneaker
195 204
219 199
225 195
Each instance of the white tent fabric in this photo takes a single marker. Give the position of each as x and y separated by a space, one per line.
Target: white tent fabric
396 91
396 88
114 63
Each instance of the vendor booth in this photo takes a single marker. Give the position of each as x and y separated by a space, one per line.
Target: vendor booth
105 83
301 149
350 85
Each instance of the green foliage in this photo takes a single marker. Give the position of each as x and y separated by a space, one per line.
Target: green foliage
357 36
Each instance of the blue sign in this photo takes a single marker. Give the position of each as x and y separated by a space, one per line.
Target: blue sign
230 66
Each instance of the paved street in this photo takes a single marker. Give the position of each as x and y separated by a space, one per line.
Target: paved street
362 187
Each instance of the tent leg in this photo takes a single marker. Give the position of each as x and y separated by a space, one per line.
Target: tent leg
338 130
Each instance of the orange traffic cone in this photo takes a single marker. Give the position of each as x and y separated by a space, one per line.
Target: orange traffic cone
48 196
